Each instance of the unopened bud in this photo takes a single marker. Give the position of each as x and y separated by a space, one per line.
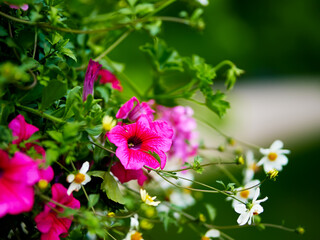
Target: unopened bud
202 218
240 160
300 230
111 214
221 148
231 141
108 123
43 184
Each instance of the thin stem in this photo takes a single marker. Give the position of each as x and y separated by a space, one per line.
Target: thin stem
254 186
63 166
39 113
35 43
116 43
111 235
230 175
85 193
188 168
99 146
278 226
221 64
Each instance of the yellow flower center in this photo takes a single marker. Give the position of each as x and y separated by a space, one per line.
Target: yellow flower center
136 236
205 238
254 167
244 194
43 184
272 156
79 178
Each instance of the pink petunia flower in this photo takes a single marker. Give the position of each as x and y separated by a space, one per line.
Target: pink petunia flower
48 222
180 118
17 177
90 77
125 175
108 77
135 142
133 112
21 129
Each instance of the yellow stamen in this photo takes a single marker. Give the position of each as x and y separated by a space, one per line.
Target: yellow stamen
79 178
136 236
272 156
111 214
244 194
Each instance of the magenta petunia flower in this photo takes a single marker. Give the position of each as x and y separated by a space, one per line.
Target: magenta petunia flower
17 177
90 77
48 222
108 77
135 142
23 7
21 129
184 144
133 109
125 175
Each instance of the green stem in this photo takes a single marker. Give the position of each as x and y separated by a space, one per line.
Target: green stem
35 42
230 175
99 146
221 64
39 113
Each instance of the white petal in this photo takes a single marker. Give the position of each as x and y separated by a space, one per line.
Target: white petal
267 166
70 178
262 161
250 218
87 179
248 175
252 183
240 208
262 200
84 168
256 194
265 151
243 218
213 233
282 159
276 145
73 186
249 158
134 223
283 151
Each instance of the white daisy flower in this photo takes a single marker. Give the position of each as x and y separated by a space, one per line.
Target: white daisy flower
247 211
81 178
145 197
182 198
245 195
212 233
251 167
274 157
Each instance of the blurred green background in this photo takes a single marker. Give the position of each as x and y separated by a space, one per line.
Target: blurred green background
272 41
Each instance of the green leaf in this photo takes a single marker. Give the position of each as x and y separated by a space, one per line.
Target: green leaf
163 57
111 188
217 104
73 97
99 174
57 136
222 183
54 91
5 136
3 32
232 74
93 199
105 92
212 213
6 108
52 155
68 52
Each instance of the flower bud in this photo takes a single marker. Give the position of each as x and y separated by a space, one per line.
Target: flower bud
43 184
240 160
300 230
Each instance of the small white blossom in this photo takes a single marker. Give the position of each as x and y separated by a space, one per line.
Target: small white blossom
246 213
212 233
81 178
133 235
274 157
145 197
245 195
203 2
182 198
251 167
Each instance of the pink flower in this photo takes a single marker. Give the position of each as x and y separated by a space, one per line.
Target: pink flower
127 175
135 142
17 177
23 7
183 124
108 77
128 110
90 77
21 129
48 222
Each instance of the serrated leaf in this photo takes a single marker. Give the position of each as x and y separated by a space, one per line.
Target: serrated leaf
73 97
69 53
217 104
111 188
222 183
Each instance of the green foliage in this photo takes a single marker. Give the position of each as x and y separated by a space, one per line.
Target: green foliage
111 188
